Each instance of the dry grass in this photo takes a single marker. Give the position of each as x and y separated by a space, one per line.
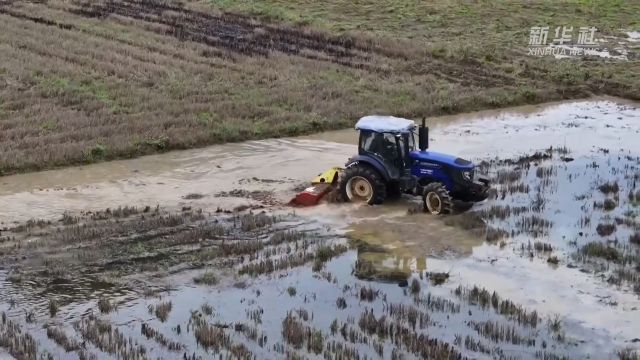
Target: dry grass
105 306
60 337
162 310
76 88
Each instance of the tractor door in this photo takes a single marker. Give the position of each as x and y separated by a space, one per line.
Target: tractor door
386 147
405 145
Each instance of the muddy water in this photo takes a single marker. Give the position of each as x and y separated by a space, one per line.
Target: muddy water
601 136
272 165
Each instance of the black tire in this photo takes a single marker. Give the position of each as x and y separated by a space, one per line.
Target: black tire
393 191
436 199
362 172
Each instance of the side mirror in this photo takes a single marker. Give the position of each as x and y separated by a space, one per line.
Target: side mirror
423 136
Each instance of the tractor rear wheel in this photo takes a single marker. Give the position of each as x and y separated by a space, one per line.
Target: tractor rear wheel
436 199
362 183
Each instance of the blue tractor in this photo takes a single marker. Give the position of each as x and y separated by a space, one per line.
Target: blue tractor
389 164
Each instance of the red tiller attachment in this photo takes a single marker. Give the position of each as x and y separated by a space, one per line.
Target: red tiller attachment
321 186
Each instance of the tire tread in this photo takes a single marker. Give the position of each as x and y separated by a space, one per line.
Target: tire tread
367 172
443 193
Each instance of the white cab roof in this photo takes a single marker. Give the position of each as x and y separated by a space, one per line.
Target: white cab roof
380 123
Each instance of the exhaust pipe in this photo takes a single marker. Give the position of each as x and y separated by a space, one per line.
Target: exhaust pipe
423 136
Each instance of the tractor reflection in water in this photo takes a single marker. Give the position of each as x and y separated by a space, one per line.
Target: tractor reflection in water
377 264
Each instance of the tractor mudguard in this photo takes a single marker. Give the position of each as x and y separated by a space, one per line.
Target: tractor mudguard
373 162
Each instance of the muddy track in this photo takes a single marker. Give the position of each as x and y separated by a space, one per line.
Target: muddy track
235 33
229 34
36 19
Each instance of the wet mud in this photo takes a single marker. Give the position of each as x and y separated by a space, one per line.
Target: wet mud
236 33
225 34
549 269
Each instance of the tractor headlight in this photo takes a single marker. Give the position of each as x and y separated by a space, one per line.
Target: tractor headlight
467 175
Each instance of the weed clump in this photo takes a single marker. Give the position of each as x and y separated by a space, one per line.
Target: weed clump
438 278
628 354
61 338
105 306
415 286
497 332
609 187
251 221
212 337
151 333
53 307
609 204
544 172
297 334
208 278
291 291
109 339
486 299
280 237
325 253
600 250
534 225
508 176
542 246
293 331
161 310
318 265
605 229
368 294
207 309
193 196
494 234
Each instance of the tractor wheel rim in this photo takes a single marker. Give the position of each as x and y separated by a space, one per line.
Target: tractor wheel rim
433 203
359 188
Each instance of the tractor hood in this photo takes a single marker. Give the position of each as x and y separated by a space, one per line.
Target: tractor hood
439 158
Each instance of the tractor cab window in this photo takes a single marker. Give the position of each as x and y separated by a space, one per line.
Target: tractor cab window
382 145
385 147
389 147
368 142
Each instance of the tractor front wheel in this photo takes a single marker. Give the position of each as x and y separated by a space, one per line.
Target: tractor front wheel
436 199
362 183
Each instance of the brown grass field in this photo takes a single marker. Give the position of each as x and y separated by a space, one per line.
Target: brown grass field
86 81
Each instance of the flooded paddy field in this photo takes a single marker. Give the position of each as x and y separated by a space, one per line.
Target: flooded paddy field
194 254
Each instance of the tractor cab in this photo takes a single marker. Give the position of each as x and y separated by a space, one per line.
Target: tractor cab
389 140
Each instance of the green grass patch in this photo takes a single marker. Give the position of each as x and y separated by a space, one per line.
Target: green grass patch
49 125
54 86
97 152
600 250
